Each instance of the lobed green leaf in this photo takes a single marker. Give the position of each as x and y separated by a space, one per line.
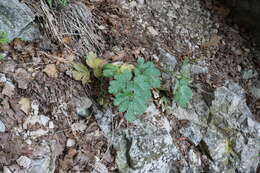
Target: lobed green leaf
132 89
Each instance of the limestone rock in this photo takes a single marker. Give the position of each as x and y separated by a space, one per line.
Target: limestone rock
146 147
169 61
227 130
2 127
15 19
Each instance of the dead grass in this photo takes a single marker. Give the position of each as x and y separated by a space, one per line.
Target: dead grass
72 26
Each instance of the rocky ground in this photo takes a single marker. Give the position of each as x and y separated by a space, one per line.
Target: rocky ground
51 123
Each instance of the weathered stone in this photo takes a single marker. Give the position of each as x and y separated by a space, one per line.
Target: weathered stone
194 132
31 32
168 61
39 119
80 126
44 165
24 162
23 78
195 161
8 89
16 19
197 112
146 147
82 105
2 127
197 69
104 120
70 142
256 92
248 74
38 133
229 107
99 167
230 134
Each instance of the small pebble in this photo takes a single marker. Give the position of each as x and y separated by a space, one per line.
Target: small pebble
29 142
51 125
2 127
239 68
24 162
70 142
152 31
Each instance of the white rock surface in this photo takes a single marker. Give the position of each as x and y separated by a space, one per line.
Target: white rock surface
70 142
81 126
40 119
100 167
24 162
38 133
2 127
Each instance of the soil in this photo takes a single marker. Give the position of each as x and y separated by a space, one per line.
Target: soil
125 39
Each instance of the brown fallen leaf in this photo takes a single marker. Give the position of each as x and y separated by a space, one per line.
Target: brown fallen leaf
66 39
25 105
22 77
51 70
8 90
119 56
18 44
95 63
136 52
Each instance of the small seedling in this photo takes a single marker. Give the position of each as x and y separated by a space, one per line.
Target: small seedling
59 2
4 38
63 2
2 57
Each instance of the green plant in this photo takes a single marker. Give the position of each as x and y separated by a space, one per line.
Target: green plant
131 86
132 89
110 70
95 63
4 38
59 2
81 73
2 57
182 91
63 2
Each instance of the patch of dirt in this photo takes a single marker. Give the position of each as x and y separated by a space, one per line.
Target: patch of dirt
50 92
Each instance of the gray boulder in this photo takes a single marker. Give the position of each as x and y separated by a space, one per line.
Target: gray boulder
146 146
227 129
17 20
167 60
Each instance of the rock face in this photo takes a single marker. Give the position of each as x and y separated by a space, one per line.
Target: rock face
226 130
44 162
17 20
145 147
